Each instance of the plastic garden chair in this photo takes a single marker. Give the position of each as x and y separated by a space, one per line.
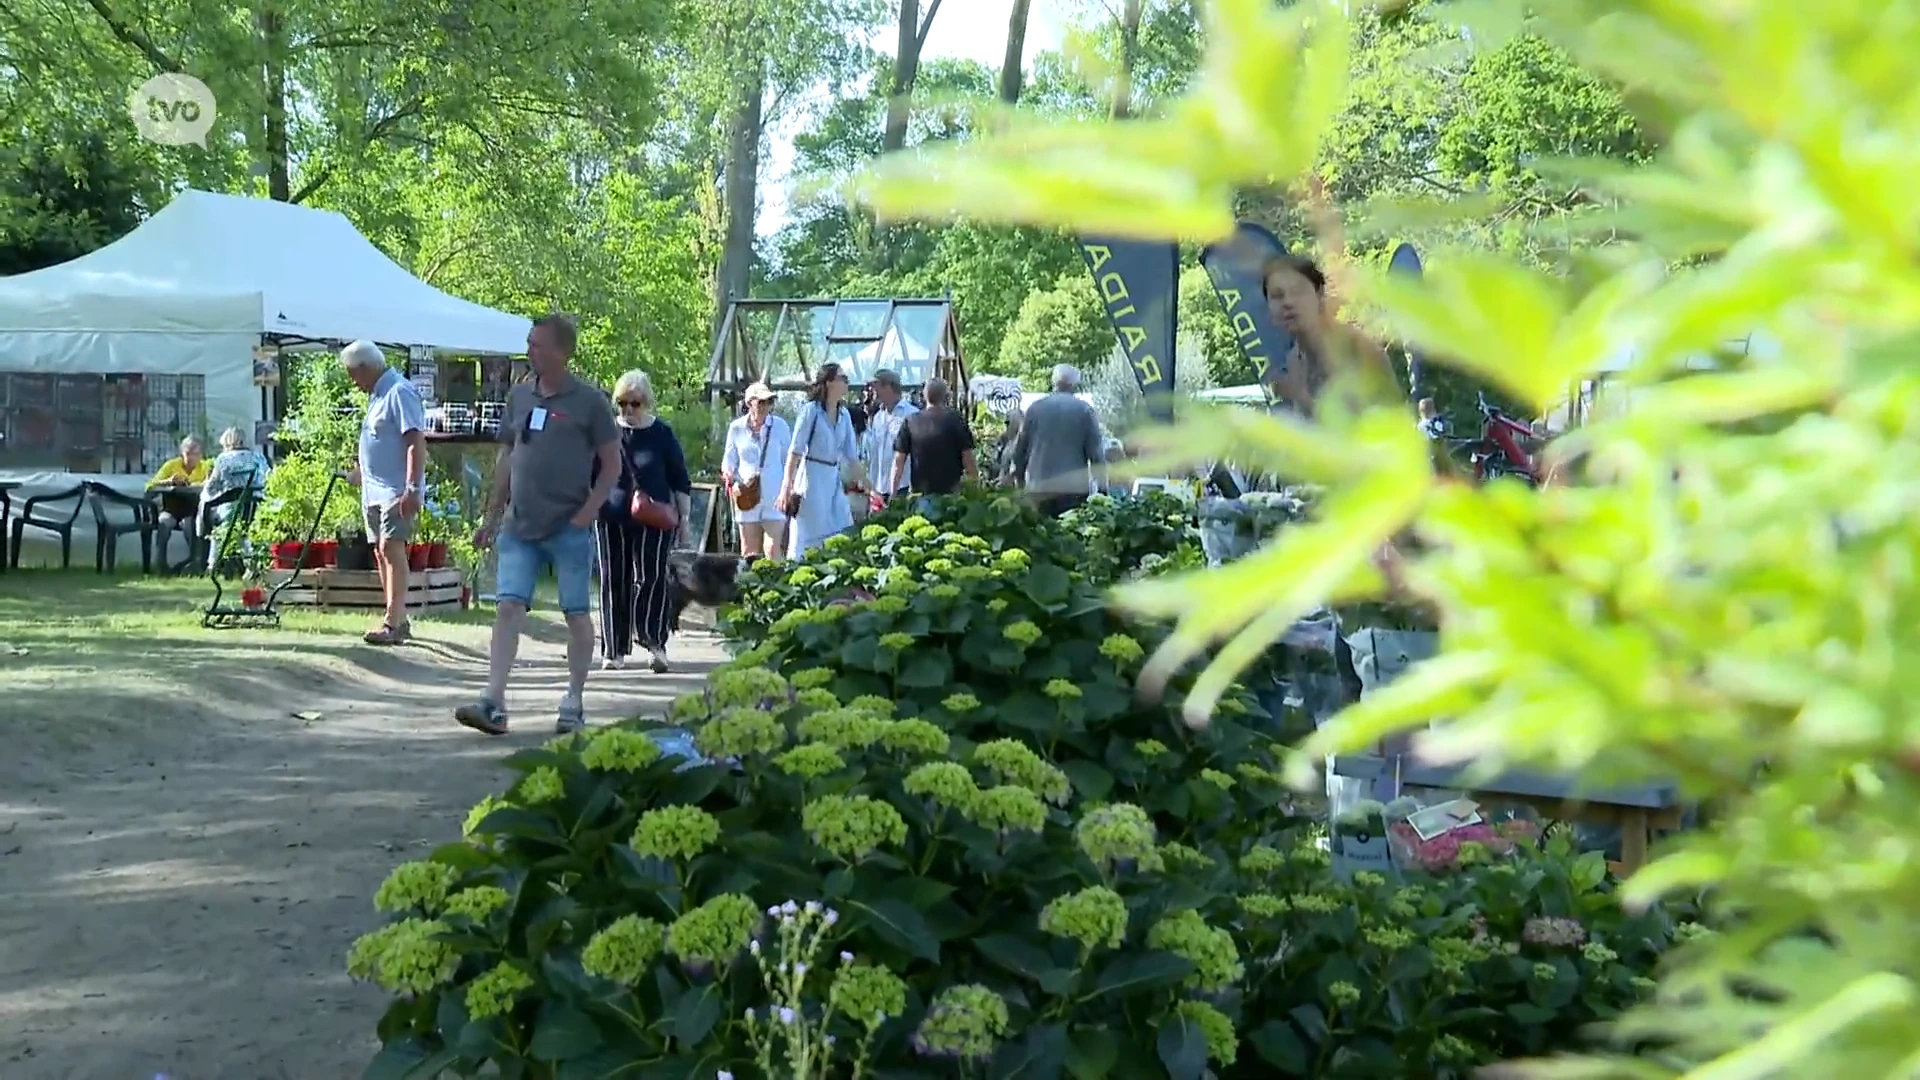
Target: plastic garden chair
43 513
107 532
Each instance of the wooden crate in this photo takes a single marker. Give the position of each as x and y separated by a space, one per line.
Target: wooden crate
428 591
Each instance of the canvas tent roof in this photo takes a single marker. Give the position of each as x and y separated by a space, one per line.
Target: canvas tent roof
206 259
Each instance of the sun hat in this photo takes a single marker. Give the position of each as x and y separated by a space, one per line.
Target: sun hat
760 390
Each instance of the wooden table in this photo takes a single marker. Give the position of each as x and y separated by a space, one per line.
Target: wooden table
159 495
1637 811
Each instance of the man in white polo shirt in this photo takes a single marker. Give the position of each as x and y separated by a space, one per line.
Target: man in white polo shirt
392 476
883 430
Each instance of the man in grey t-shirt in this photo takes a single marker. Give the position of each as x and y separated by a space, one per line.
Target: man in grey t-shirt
1059 446
392 476
559 461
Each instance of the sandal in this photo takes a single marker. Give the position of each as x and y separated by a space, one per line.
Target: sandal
388 635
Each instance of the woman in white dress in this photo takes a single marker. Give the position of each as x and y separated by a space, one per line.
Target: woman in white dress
823 441
755 441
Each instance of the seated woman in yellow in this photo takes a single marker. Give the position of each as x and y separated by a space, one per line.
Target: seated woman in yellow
177 484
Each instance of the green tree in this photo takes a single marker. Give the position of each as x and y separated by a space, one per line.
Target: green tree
1062 325
58 203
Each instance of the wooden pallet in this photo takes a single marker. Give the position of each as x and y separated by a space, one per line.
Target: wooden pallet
428 591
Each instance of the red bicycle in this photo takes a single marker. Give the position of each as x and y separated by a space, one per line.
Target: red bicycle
1501 448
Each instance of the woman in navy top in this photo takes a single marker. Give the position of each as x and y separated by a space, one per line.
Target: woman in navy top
634 577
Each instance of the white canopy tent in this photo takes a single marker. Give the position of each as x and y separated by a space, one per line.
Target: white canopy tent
177 307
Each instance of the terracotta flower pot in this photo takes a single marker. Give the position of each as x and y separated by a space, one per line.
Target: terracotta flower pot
253 596
437 558
323 553
416 557
286 555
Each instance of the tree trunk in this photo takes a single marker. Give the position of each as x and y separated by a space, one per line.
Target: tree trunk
742 182
1130 19
906 68
273 39
1013 65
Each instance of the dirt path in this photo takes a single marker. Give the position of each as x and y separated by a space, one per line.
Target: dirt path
182 907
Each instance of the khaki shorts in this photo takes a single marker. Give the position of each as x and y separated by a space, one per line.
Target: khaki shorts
384 523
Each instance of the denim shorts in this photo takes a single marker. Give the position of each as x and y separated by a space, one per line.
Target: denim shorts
569 552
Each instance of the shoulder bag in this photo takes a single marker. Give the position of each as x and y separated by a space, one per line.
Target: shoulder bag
810 419
645 510
746 496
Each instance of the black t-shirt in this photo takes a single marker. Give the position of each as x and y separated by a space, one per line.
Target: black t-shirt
934 440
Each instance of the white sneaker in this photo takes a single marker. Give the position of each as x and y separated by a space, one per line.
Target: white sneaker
612 663
572 717
660 665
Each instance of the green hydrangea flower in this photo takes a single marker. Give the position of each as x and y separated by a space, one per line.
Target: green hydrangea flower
1150 748
618 749
690 709
890 605
965 1022
1014 559
1223 1044
939 566
873 532
867 995
1122 649
1692 931
812 678
851 827
415 885
803 576
817 698
1116 833
1061 689
1598 953
997 605
477 903
1095 917
1387 938
847 728
1642 985
1454 1049
739 732
1262 860
1255 774
960 704
675 832
1314 903
970 573
925 532
867 575
1451 955
874 704
945 782
944 591
1014 762
912 524
492 992
754 686
625 950
1367 879
896 641
1178 856
810 761
838 542
1263 905
1008 809
1216 960
1216 778
1343 994
716 931
1022 633
1545 972
916 737
542 786
471 827
406 957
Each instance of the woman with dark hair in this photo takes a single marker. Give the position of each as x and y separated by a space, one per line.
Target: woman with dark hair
811 492
1296 293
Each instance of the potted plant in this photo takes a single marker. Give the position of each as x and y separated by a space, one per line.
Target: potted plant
1359 840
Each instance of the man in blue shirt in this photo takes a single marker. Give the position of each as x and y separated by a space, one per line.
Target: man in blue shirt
391 474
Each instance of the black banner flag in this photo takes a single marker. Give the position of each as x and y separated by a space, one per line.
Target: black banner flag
1139 285
1234 266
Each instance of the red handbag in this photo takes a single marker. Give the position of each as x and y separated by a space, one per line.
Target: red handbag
647 511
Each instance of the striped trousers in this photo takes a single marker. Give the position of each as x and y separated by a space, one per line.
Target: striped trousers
633 586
